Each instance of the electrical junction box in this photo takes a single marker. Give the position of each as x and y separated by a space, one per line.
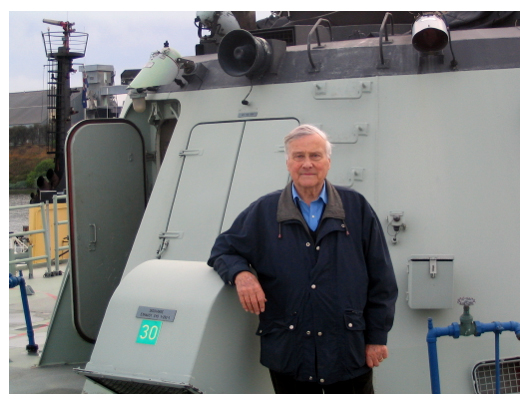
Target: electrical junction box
430 281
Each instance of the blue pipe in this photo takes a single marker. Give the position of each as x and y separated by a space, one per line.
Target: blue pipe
453 330
497 360
431 338
497 328
482 327
19 281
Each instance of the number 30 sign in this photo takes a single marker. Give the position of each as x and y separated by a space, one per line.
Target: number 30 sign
149 332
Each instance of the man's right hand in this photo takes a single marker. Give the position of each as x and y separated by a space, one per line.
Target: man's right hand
250 292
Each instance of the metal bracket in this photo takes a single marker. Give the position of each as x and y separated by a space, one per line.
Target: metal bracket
358 174
395 225
361 129
337 89
171 235
191 152
165 236
367 86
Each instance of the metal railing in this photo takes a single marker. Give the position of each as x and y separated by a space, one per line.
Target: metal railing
56 43
44 212
56 224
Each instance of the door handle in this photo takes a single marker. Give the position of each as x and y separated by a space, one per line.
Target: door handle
92 237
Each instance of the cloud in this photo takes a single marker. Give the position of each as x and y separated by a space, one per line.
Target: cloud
122 39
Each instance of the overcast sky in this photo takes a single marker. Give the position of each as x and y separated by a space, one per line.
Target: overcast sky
122 39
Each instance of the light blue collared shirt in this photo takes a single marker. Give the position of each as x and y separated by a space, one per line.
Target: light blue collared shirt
311 214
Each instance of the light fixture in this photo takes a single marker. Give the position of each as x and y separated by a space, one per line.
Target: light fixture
429 33
138 100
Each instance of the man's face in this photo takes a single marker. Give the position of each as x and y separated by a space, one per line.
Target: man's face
308 162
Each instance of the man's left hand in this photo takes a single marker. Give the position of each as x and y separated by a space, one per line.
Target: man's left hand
375 354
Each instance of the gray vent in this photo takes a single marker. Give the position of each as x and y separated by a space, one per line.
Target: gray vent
484 375
124 385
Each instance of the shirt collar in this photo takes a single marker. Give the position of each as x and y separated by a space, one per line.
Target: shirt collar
323 194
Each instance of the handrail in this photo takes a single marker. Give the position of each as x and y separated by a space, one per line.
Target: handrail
46 232
315 29
56 224
384 26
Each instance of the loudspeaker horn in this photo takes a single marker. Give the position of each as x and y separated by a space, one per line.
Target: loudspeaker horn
242 54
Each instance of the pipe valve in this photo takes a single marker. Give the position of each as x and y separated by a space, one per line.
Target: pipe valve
466 326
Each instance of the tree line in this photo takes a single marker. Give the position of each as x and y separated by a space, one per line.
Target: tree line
21 135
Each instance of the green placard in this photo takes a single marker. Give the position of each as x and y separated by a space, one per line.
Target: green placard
149 332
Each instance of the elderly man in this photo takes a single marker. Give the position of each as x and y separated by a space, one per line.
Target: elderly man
313 263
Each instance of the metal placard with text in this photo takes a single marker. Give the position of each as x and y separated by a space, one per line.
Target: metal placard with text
157 314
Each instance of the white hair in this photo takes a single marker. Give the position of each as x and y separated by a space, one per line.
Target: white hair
307 130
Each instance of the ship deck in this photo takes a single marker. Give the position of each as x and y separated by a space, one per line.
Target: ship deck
25 376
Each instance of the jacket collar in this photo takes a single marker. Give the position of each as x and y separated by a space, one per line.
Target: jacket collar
287 209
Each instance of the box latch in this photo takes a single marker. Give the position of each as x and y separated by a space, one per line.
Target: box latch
433 267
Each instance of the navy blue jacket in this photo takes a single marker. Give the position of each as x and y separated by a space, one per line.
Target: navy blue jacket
326 298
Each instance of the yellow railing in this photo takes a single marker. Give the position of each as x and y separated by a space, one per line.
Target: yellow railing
47 238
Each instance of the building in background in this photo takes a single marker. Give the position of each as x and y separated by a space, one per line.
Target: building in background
98 95
95 99
28 116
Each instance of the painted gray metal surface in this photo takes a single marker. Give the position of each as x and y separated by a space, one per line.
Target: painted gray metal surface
477 49
63 344
106 204
441 147
211 346
223 165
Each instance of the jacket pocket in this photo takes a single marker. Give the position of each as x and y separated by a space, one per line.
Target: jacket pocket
355 325
354 320
279 349
269 325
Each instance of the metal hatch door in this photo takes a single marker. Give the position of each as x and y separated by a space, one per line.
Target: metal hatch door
227 166
203 190
261 165
106 202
